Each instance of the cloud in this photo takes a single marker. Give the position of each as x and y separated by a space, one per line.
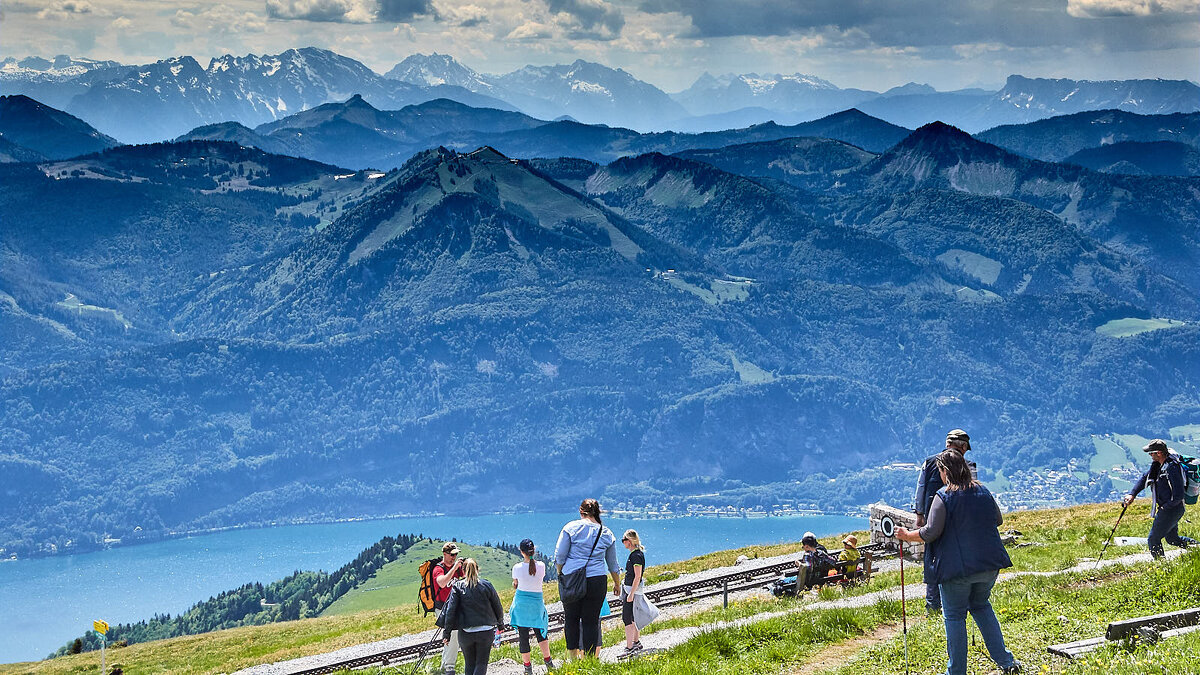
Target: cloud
336 11
218 19
351 11
1097 9
1137 25
464 16
65 9
530 30
403 11
591 18
121 23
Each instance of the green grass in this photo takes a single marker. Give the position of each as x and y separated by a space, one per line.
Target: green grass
1186 432
1119 328
396 584
1029 608
1108 454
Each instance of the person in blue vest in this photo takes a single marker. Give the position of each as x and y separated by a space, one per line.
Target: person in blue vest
965 554
1166 481
928 483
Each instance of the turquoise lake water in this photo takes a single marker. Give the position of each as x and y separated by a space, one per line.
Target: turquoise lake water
48 601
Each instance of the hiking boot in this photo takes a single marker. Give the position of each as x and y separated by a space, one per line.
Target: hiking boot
629 651
550 664
528 669
637 644
1011 670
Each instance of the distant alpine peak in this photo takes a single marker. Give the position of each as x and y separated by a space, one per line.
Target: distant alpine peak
766 82
61 66
431 70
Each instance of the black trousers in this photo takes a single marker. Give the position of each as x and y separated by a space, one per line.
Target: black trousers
476 649
523 642
582 627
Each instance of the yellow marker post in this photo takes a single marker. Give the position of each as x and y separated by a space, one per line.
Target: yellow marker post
101 628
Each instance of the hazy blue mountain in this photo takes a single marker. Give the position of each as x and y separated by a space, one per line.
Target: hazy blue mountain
356 134
1057 138
46 131
919 108
811 163
1157 220
101 249
200 335
165 99
589 92
798 93
11 152
1153 158
235 132
55 81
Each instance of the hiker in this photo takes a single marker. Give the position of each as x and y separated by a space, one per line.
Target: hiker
444 573
814 564
962 543
635 565
1166 481
528 614
473 612
928 483
850 553
584 553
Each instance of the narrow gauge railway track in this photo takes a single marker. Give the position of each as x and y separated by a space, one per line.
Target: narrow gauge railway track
664 595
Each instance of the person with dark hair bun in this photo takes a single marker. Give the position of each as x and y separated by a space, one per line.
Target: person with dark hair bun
528 613
965 555
587 545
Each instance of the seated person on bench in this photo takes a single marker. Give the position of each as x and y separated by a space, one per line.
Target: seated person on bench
814 564
850 555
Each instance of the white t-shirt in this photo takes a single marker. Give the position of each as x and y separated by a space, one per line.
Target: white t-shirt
527 581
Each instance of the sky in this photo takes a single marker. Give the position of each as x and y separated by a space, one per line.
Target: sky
870 44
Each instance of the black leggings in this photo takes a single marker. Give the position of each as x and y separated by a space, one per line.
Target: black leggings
476 649
523 638
582 627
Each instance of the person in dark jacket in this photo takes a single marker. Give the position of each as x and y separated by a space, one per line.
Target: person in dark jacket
474 610
928 483
814 564
1166 481
965 554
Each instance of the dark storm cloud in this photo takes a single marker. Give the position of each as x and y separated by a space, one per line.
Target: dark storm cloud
595 17
350 11
404 11
928 23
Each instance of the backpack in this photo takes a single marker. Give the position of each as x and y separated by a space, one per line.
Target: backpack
1191 476
427 593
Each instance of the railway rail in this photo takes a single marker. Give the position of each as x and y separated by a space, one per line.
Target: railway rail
663 595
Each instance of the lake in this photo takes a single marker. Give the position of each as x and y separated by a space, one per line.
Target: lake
48 601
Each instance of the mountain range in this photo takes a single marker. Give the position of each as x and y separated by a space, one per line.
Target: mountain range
163 100
200 334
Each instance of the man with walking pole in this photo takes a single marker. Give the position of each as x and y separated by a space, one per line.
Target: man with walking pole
1166 482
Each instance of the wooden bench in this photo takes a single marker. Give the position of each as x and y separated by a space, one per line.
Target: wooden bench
1149 628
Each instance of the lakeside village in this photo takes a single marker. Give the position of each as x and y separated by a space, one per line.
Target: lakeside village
1027 489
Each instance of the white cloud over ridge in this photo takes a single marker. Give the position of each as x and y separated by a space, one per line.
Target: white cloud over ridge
338 11
1096 9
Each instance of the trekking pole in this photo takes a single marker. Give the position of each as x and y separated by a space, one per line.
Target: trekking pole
425 650
1110 535
903 608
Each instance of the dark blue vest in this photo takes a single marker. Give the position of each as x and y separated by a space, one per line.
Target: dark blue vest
970 542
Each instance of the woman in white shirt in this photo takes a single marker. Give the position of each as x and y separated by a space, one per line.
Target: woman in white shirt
528 613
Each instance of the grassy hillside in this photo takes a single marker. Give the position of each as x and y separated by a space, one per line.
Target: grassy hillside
1034 611
395 585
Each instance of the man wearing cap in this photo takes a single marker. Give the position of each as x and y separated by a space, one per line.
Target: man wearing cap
1166 481
444 573
928 483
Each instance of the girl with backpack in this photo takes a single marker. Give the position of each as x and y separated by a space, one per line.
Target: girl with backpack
475 612
634 567
528 614
584 553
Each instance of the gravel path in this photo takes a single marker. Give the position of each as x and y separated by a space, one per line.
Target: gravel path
666 639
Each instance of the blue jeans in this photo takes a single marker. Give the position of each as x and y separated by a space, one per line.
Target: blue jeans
972 593
1166 526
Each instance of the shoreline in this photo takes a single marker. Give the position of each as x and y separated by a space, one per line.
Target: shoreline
109 544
